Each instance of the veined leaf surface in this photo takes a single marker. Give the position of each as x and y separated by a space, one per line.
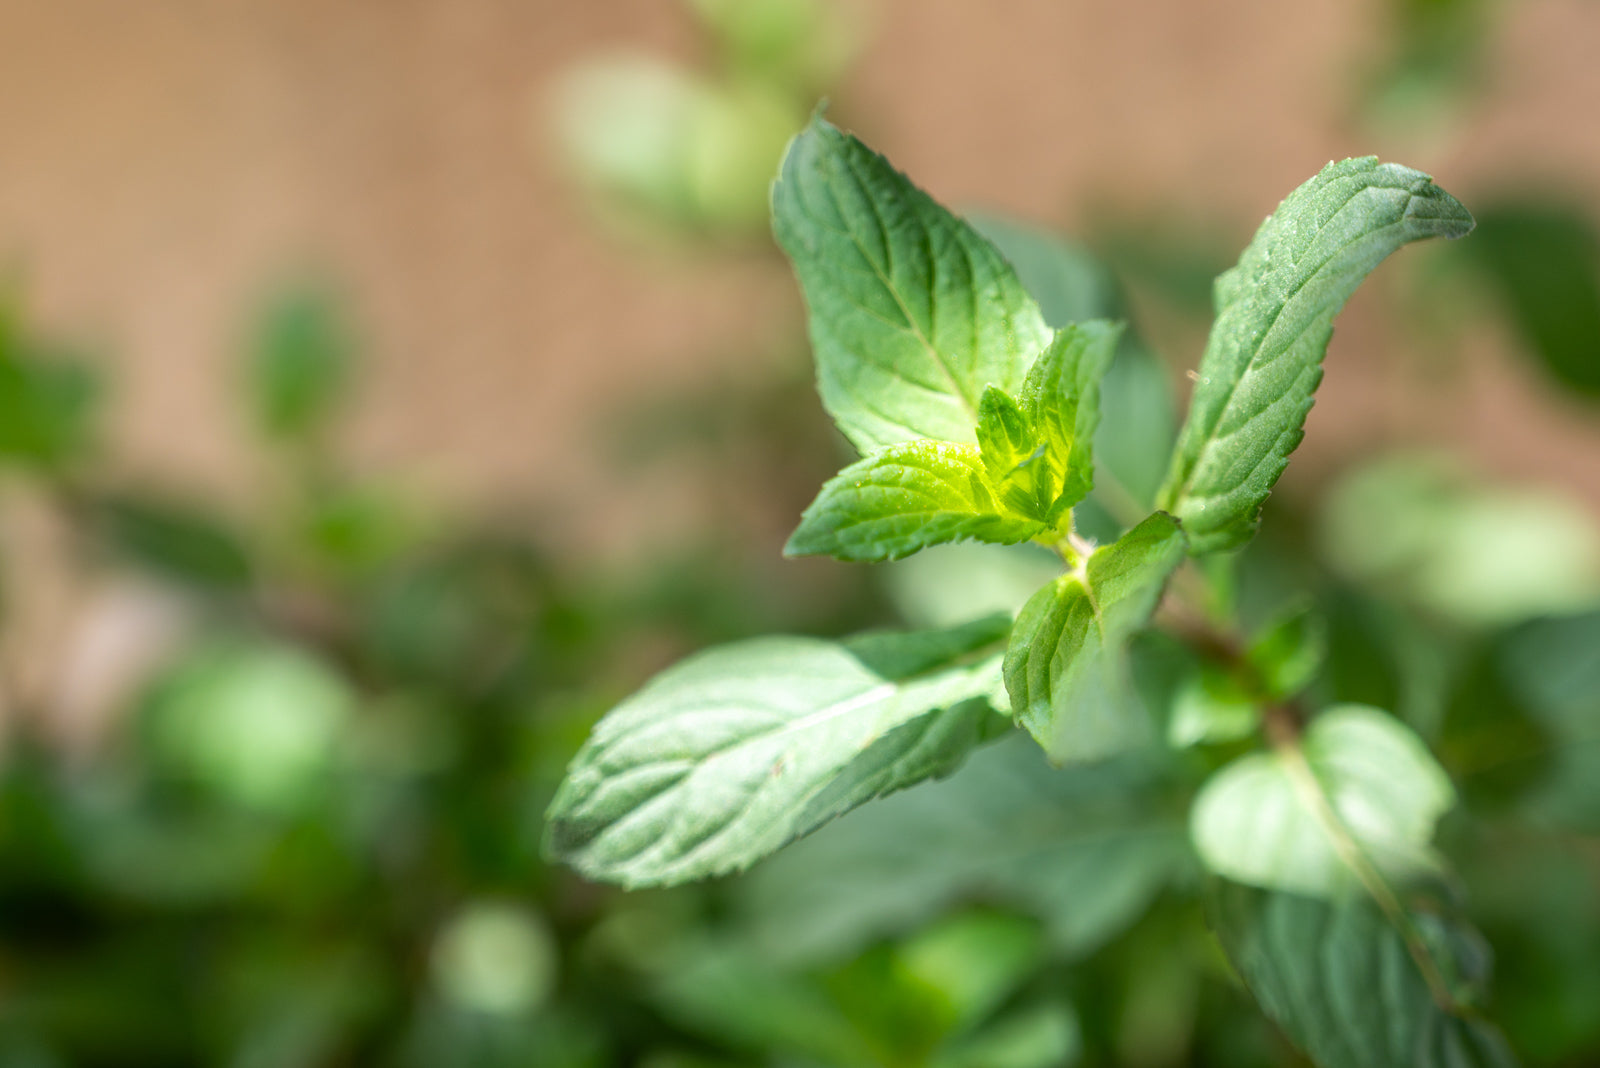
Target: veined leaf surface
1351 989
1275 313
730 754
1064 665
1062 398
1358 778
913 313
903 498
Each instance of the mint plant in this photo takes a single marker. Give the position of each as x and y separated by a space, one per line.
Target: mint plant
976 420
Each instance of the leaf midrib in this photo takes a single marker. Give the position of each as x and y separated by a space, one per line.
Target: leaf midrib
1314 795
912 325
1211 436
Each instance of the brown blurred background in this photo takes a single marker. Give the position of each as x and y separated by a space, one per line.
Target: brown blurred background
165 161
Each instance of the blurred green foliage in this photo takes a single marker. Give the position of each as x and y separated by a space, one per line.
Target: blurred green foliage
308 836
1433 59
47 399
663 147
1541 260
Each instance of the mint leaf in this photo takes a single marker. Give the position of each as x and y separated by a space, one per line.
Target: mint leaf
1288 820
1005 435
913 314
1354 990
729 755
904 498
1084 851
1063 668
1275 314
1018 465
49 398
302 362
720 988
1039 456
1062 399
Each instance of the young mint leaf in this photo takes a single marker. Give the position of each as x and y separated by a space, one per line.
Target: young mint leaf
1063 668
1358 779
913 314
1005 435
1016 463
1061 397
1354 990
729 755
903 498
1275 313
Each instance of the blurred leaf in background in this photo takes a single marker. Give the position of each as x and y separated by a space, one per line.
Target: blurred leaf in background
667 148
1084 852
1423 528
181 541
1434 58
48 398
301 364
258 723
1541 260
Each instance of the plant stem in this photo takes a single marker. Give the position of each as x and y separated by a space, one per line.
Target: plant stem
1282 722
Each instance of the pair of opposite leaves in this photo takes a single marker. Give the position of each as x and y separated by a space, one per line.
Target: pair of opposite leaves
975 421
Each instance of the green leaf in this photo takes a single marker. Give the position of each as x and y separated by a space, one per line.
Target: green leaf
1419 527
1085 851
1289 819
904 498
1064 667
1039 457
1353 990
975 960
1005 435
723 990
259 724
1211 708
1275 313
302 362
1288 653
49 399
1044 1034
1544 262
1553 666
174 539
1062 399
1014 460
913 314
729 755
